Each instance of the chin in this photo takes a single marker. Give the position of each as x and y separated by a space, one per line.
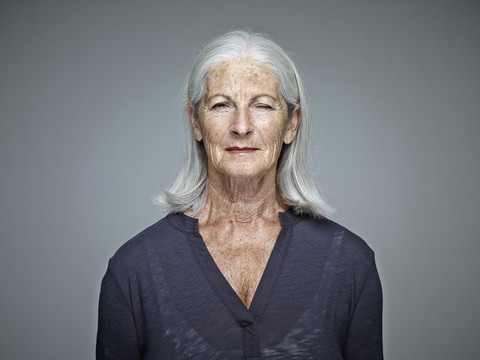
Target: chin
246 172
242 170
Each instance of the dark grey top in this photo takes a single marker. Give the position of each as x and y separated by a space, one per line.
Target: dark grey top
163 297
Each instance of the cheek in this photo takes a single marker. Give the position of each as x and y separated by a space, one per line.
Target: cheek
273 141
213 143
273 133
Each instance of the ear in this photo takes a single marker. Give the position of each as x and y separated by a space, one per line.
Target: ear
197 133
293 125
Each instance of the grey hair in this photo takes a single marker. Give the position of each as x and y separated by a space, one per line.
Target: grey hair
293 180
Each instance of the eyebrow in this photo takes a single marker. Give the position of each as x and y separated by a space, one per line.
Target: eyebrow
262 95
256 97
222 95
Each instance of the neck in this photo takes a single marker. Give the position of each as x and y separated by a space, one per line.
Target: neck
241 200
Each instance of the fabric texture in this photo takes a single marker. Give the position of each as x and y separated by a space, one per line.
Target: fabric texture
163 297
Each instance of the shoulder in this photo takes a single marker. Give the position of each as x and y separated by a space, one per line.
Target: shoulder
353 245
134 253
339 240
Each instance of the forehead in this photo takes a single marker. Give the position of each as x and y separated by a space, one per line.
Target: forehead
246 75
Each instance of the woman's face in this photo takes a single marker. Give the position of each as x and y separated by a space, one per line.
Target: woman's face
242 120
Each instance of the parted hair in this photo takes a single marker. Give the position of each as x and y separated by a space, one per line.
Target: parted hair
294 180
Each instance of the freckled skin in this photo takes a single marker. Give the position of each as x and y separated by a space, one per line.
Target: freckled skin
235 112
242 109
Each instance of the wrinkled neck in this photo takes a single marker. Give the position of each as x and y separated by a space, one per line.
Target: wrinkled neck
242 200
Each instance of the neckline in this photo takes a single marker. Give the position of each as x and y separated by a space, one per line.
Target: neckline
189 225
217 281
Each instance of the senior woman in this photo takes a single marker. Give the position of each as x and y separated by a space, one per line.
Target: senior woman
245 266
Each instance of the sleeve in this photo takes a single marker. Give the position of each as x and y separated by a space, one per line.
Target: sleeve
364 334
117 333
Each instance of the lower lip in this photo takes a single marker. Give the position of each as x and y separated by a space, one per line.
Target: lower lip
241 151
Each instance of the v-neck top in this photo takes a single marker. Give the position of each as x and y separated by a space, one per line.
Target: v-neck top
163 297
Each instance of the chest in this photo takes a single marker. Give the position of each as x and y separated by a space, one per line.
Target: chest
241 256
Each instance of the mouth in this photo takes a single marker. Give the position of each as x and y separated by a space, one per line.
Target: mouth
241 150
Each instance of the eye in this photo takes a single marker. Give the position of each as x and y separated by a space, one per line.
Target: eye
221 105
263 106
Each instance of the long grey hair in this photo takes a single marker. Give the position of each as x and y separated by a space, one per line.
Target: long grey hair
293 180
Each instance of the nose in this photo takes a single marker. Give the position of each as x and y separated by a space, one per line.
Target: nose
241 124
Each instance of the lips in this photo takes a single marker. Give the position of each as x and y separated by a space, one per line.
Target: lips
241 150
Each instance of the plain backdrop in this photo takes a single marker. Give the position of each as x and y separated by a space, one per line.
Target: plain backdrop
91 130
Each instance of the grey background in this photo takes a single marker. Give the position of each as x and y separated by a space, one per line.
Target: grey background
89 110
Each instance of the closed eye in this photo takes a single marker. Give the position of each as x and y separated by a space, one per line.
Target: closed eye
263 106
